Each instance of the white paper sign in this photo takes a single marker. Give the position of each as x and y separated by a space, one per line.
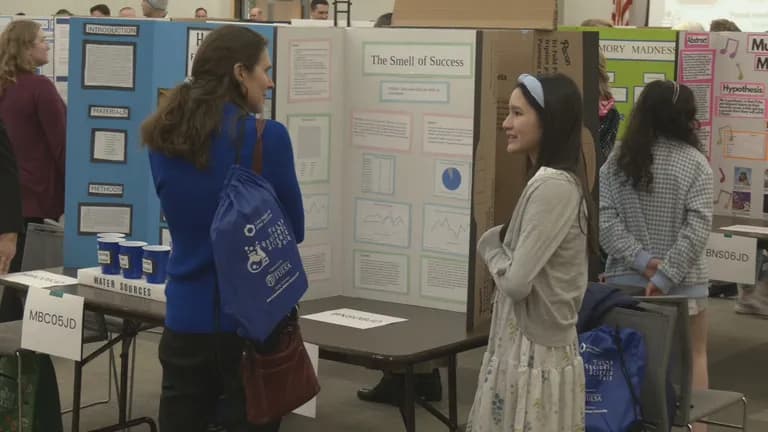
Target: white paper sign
53 324
354 318
195 38
116 283
39 279
731 258
309 409
747 229
109 65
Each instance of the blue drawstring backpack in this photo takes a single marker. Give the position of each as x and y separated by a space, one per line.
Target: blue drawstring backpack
260 274
614 368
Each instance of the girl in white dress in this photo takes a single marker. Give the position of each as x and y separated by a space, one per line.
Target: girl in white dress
532 376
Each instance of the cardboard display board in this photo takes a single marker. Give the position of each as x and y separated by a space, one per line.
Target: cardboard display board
634 57
502 14
728 73
499 177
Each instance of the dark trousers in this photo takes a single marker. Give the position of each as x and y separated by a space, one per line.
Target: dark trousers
202 385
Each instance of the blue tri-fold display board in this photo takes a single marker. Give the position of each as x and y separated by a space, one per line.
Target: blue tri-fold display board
117 72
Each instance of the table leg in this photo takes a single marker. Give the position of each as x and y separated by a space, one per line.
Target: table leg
409 400
77 385
453 411
128 335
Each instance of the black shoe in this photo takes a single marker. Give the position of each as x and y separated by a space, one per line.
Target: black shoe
389 390
429 387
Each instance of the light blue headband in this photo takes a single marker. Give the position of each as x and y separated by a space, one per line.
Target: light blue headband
534 87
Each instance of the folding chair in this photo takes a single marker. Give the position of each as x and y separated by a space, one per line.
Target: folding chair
657 325
694 406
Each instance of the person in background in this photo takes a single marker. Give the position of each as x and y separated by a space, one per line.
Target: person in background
532 375
256 15
689 26
723 25
11 216
318 9
127 12
609 115
100 10
656 208
201 12
154 8
63 12
385 20
35 118
11 225
193 140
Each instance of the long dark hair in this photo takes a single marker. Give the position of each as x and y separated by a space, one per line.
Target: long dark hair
184 123
665 110
561 146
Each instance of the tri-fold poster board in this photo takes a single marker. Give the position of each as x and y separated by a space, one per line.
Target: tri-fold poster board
728 73
633 58
396 134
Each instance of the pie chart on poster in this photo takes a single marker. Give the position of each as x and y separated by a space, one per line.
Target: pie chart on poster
452 178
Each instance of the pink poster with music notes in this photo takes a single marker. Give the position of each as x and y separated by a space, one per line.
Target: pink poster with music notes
728 74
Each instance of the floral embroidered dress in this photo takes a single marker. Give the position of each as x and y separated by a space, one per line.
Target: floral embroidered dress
525 386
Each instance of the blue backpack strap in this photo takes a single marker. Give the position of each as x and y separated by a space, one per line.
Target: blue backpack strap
258 150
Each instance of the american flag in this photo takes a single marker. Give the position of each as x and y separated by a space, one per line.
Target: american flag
620 15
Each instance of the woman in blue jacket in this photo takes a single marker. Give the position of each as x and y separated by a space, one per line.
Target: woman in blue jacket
193 140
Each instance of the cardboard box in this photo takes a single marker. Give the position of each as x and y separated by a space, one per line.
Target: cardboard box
499 178
509 14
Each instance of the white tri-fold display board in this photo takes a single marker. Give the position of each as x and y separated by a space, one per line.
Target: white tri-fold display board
382 128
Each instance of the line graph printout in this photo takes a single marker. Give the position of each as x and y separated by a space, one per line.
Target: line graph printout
316 211
383 222
446 229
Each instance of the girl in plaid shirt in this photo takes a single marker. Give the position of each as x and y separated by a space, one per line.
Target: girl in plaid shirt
656 207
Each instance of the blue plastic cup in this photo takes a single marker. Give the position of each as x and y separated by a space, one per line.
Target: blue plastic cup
109 249
155 263
131 254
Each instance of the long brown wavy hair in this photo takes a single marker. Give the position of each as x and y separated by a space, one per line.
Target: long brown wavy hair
15 43
665 110
184 123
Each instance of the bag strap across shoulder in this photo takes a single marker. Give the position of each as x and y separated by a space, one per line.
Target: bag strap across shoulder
258 149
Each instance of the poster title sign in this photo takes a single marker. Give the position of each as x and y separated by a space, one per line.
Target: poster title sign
639 50
447 60
757 44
